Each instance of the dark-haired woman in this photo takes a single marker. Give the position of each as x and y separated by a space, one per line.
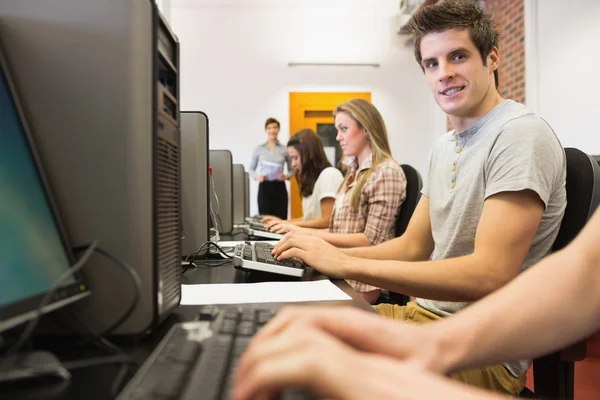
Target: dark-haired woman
317 179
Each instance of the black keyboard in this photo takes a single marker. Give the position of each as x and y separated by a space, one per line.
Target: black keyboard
257 256
197 360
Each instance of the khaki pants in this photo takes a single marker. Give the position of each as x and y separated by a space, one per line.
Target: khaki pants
495 378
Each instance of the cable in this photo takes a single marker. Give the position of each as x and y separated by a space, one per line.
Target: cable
96 361
213 214
212 265
136 294
32 324
208 245
100 341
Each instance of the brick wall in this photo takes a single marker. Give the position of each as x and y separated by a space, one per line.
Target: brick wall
509 15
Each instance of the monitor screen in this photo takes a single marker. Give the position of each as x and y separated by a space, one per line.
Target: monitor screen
33 253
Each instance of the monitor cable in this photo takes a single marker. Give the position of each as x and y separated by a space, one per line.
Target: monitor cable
13 359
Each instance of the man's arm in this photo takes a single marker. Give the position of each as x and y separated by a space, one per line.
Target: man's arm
506 229
416 244
555 303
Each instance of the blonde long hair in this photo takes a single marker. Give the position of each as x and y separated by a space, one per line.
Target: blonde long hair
367 117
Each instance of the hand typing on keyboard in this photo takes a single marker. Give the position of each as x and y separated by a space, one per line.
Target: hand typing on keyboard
315 252
284 227
344 353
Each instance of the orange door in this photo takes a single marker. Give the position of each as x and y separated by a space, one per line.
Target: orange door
314 111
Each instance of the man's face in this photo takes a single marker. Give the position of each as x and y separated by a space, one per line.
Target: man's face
272 130
455 71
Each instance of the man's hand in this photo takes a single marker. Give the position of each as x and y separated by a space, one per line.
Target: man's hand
283 177
314 251
364 331
260 178
304 356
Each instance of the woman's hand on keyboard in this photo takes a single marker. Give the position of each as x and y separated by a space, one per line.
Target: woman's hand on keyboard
306 357
314 251
269 218
283 227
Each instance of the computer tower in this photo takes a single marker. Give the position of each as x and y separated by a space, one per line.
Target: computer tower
194 180
100 85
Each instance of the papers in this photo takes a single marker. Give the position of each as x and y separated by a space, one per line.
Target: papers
264 292
270 170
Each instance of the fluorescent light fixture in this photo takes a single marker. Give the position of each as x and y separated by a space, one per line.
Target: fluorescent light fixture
323 64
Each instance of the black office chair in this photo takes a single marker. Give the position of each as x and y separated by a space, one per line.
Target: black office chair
553 375
414 184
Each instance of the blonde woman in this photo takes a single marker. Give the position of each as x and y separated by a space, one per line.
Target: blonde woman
370 196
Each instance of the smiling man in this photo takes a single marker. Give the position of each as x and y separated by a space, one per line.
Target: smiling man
493 199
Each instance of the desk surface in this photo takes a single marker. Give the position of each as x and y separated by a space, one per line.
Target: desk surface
94 383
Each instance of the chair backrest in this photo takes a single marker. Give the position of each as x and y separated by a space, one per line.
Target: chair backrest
583 195
553 374
414 184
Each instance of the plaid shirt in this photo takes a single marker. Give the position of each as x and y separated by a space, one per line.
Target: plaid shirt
380 201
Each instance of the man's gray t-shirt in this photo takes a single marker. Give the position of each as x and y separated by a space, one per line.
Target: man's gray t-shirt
509 149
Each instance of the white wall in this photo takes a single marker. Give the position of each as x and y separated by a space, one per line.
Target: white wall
234 56
563 76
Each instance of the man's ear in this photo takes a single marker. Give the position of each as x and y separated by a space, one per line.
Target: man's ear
493 59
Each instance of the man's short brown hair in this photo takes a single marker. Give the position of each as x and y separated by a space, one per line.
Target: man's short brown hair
272 121
456 14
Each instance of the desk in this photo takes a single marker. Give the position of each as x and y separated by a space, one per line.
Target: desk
94 383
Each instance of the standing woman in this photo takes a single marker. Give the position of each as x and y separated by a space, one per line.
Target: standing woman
267 167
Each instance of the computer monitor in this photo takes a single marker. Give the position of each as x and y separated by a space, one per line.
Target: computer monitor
222 200
100 81
34 250
247 196
239 194
194 180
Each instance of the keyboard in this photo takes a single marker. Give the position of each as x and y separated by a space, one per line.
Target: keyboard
257 229
256 218
197 360
257 256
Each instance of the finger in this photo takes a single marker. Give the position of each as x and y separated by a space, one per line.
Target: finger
291 253
279 344
273 375
285 316
283 228
277 245
292 359
286 245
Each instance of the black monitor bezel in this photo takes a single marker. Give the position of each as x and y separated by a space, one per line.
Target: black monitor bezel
62 295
